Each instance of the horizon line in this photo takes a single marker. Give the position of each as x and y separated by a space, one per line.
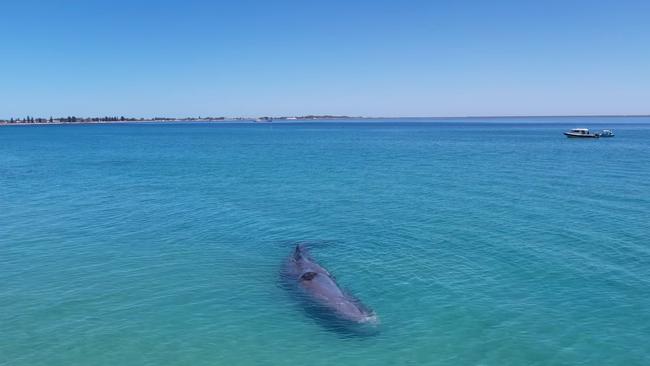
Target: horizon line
333 116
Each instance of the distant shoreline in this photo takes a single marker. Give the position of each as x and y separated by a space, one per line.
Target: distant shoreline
106 120
123 120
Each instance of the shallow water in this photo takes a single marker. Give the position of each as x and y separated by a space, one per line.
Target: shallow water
477 242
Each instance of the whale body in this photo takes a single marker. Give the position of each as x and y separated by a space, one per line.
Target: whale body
318 287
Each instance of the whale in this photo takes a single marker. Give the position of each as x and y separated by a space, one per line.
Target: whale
320 292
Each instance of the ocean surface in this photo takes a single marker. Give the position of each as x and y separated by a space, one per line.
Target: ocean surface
492 241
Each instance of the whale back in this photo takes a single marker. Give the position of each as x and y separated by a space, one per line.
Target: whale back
319 285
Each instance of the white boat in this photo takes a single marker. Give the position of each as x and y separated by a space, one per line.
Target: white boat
581 132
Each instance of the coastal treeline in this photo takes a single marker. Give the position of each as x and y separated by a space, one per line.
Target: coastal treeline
115 119
75 119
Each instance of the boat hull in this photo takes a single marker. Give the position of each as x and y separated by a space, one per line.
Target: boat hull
575 135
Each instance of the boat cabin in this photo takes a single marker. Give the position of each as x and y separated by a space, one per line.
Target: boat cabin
580 131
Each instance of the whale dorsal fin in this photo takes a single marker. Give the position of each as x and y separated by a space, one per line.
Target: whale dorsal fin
301 252
308 276
297 254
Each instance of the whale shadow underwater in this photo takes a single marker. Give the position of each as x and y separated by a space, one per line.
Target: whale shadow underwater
321 298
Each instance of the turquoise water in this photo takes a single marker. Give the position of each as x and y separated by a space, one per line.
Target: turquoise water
477 242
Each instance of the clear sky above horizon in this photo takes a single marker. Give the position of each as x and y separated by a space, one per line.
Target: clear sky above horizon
372 58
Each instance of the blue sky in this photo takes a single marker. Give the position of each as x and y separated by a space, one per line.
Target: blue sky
373 58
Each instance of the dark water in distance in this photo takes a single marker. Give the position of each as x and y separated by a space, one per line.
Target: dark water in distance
477 242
